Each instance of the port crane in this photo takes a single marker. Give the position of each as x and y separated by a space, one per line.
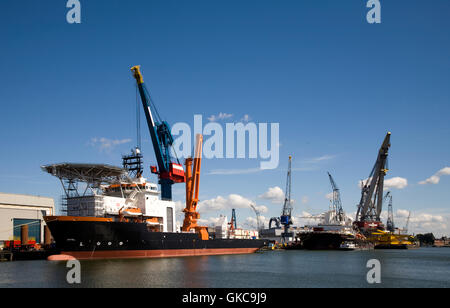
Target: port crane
169 169
192 189
258 217
233 223
286 215
337 203
390 220
405 229
371 203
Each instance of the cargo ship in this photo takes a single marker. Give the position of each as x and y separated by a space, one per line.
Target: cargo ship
125 219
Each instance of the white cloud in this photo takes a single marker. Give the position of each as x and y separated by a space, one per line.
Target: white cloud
304 218
426 222
426 218
262 208
434 179
274 194
402 213
431 221
305 199
329 196
396 182
220 116
251 223
233 201
105 144
211 221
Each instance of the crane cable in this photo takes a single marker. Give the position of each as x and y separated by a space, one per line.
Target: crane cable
158 116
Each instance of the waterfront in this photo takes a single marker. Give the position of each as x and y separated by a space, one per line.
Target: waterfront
425 267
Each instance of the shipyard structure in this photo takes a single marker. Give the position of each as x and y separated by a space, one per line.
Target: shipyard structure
22 219
335 229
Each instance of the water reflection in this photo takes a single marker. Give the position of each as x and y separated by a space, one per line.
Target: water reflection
412 268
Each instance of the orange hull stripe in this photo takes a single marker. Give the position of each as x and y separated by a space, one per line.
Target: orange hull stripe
124 254
76 218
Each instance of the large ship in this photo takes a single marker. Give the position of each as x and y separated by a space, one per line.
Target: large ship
115 212
115 216
330 233
334 230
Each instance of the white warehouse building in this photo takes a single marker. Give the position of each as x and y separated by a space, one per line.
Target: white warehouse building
17 210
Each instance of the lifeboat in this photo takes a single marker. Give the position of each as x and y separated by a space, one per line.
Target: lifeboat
133 212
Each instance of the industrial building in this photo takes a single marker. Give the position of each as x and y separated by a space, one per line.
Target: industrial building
18 210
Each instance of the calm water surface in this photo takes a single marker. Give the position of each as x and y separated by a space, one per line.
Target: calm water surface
425 267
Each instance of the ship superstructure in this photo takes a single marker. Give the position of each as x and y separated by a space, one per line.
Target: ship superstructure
93 190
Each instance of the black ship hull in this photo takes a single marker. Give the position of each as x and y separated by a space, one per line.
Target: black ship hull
105 240
323 240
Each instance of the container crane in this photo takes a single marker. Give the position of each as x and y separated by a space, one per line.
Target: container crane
192 189
337 204
371 203
169 170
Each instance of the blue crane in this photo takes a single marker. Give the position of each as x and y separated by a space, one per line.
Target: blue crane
390 226
337 203
286 215
169 170
285 218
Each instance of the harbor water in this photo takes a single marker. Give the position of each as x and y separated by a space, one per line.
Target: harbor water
424 267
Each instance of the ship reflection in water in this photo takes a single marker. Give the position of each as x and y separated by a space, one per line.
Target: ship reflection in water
425 267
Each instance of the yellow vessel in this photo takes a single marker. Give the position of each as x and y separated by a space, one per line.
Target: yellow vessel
389 240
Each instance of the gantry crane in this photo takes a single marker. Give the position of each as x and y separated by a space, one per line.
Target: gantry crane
371 203
169 170
192 189
337 204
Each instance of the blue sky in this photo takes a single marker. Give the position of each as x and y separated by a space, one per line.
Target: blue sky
335 83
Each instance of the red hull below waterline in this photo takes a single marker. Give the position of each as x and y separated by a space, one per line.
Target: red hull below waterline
137 254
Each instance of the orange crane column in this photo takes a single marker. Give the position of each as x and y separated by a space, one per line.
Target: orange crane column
192 191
